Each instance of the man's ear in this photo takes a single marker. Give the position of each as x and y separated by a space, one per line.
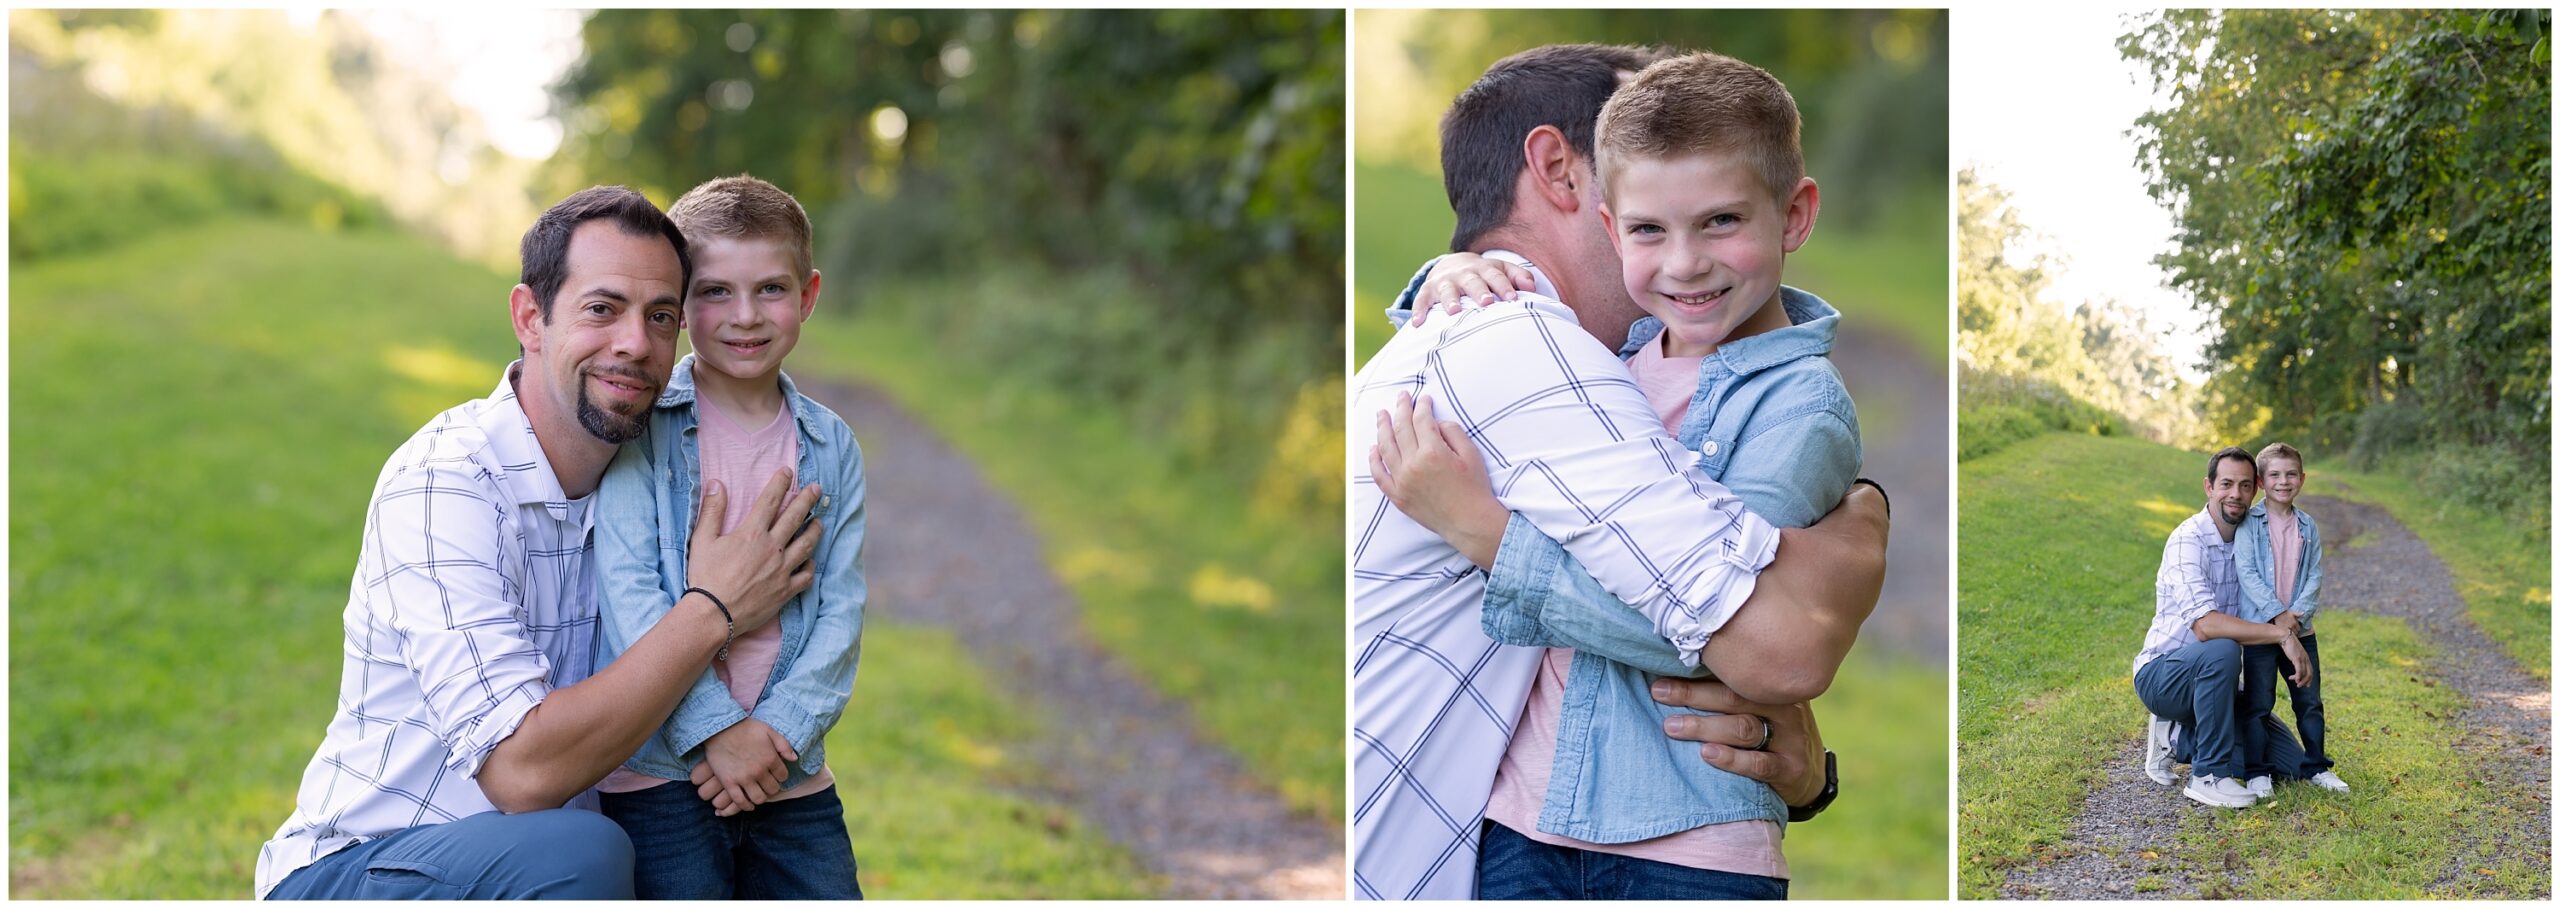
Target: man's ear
526 317
1803 206
809 295
1553 169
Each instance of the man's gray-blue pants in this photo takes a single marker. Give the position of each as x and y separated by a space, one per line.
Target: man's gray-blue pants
563 853
2198 687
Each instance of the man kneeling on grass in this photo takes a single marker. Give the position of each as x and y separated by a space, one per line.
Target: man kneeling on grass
2188 673
469 729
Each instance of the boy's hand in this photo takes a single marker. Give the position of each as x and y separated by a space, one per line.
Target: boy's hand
2292 624
743 766
1464 279
1434 474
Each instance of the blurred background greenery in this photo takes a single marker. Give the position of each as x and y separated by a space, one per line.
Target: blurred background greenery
1872 86
251 251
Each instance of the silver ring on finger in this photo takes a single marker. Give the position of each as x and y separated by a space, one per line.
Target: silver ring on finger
1765 732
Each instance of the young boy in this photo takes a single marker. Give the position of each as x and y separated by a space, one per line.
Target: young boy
1704 195
2276 552
732 797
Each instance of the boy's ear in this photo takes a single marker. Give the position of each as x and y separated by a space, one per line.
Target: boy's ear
526 317
809 295
1803 206
1609 222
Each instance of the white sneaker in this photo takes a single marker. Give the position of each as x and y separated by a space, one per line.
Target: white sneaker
2156 762
2328 779
2261 786
2219 791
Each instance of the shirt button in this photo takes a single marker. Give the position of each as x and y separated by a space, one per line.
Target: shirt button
1710 449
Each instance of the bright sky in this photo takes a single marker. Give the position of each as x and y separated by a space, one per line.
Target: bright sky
497 61
2042 101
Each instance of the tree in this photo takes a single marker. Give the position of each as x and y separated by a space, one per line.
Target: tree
2363 206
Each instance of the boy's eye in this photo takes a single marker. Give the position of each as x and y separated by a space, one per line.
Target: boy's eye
1645 230
1724 220
773 288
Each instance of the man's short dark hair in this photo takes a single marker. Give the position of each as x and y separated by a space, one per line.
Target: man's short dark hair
2213 468
545 249
1559 85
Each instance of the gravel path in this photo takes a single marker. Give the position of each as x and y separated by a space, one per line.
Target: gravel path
1902 411
2124 844
948 551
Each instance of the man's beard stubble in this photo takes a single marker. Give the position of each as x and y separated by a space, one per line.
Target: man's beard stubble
608 426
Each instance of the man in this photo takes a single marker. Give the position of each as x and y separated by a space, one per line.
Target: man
2188 671
467 716
1578 454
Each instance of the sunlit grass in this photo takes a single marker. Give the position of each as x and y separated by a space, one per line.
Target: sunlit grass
2062 536
197 420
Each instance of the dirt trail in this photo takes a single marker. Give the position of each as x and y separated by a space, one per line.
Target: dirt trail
2388 571
1902 412
947 550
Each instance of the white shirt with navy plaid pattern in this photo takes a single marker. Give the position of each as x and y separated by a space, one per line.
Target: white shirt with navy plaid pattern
473 598
2196 576
1572 446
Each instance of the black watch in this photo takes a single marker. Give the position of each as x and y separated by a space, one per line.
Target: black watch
1830 790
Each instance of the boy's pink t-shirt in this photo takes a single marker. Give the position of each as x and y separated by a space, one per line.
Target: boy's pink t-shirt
2284 540
1520 785
740 458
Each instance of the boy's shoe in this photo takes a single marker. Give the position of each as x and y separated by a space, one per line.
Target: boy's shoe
2262 786
2219 791
2328 779
2156 762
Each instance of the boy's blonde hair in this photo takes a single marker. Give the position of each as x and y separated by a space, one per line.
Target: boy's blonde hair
1705 103
2276 450
742 208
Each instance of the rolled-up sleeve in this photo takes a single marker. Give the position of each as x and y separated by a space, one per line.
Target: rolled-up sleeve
1574 448
450 610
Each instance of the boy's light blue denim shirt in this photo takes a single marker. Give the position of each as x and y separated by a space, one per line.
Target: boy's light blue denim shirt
1775 424
2253 553
644 525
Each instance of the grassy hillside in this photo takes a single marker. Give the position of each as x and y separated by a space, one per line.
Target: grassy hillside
2062 536
196 421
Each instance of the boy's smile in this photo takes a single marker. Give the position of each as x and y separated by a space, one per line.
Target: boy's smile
2282 481
745 307
1702 245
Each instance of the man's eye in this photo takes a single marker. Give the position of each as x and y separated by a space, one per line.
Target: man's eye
663 317
599 309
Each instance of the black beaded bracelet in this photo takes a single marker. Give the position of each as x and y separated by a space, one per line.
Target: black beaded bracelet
1880 493
725 617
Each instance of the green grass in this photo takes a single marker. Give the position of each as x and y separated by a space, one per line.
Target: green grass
2062 536
1886 837
2505 573
1237 613
1892 276
197 420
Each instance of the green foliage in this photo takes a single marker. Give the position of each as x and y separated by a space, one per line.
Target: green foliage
2363 202
2062 537
2013 337
2003 410
86 173
1197 151
199 416
242 111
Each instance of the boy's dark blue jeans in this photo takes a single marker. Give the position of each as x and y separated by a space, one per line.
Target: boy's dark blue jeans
2264 666
1514 867
793 849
